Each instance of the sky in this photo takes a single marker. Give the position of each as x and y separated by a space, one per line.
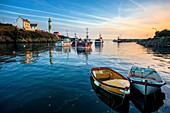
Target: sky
110 18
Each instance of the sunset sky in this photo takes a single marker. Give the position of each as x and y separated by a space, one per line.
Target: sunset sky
131 18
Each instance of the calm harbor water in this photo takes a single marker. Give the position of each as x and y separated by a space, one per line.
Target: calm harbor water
42 78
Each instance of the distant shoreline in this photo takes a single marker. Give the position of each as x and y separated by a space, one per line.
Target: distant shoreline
155 42
11 34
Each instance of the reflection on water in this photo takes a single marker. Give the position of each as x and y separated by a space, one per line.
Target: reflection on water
29 57
84 51
23 53
44 78
99 48
115 102
149 103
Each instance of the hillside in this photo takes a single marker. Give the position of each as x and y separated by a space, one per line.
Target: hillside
11 34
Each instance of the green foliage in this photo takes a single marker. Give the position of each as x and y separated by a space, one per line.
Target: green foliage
164 33
9 33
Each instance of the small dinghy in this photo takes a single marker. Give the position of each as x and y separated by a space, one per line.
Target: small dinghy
146 80
111 81
116 103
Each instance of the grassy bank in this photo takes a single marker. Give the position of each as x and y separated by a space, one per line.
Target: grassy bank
11 34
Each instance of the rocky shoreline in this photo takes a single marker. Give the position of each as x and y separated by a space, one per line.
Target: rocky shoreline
155 42
11 34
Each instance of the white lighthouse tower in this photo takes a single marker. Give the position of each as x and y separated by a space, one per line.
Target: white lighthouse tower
49 25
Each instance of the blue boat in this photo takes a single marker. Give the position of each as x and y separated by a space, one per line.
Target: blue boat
99 41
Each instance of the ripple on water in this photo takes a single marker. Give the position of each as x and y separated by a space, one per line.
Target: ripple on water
59 81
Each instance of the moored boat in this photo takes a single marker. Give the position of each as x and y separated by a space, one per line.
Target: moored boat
116 103
63 43
111 81
74 42
86 43
99 41
146 80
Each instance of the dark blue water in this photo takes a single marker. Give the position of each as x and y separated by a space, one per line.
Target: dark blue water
42 78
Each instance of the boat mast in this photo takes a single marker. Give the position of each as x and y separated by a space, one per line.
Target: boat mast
100 35
87 33
67 33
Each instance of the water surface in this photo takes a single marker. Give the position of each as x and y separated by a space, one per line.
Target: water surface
43 78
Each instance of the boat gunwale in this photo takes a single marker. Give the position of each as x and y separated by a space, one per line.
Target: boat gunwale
144 82
106 68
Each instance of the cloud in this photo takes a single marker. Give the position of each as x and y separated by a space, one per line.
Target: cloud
57 19
134 19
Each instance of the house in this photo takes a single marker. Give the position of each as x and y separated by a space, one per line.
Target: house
25 24
34 26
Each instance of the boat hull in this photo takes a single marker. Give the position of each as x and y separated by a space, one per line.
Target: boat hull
145 90
82 44
62 44
146 80
115 91
117 85
117 103
98 43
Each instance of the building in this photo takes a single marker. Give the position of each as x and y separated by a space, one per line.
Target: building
34 26
25 24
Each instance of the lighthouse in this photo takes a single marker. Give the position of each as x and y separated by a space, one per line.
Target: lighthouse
49 25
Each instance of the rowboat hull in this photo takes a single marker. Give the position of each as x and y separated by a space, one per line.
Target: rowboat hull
63 44
117 103
118 84
145 90
146 80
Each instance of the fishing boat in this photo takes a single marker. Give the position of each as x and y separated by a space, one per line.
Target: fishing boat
119 40
99 41
116 103
74 42
146 80
63 43
86 43
111 81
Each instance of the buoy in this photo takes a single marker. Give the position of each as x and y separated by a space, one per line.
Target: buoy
14 52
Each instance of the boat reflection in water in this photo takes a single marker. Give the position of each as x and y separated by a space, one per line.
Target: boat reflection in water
64 49
99 48
116 103
149 103
87 50
84 51
28 57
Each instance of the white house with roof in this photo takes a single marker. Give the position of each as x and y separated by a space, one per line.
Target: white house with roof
25 24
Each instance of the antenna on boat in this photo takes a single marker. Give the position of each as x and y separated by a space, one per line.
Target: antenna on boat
87 33
67 33
75 35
